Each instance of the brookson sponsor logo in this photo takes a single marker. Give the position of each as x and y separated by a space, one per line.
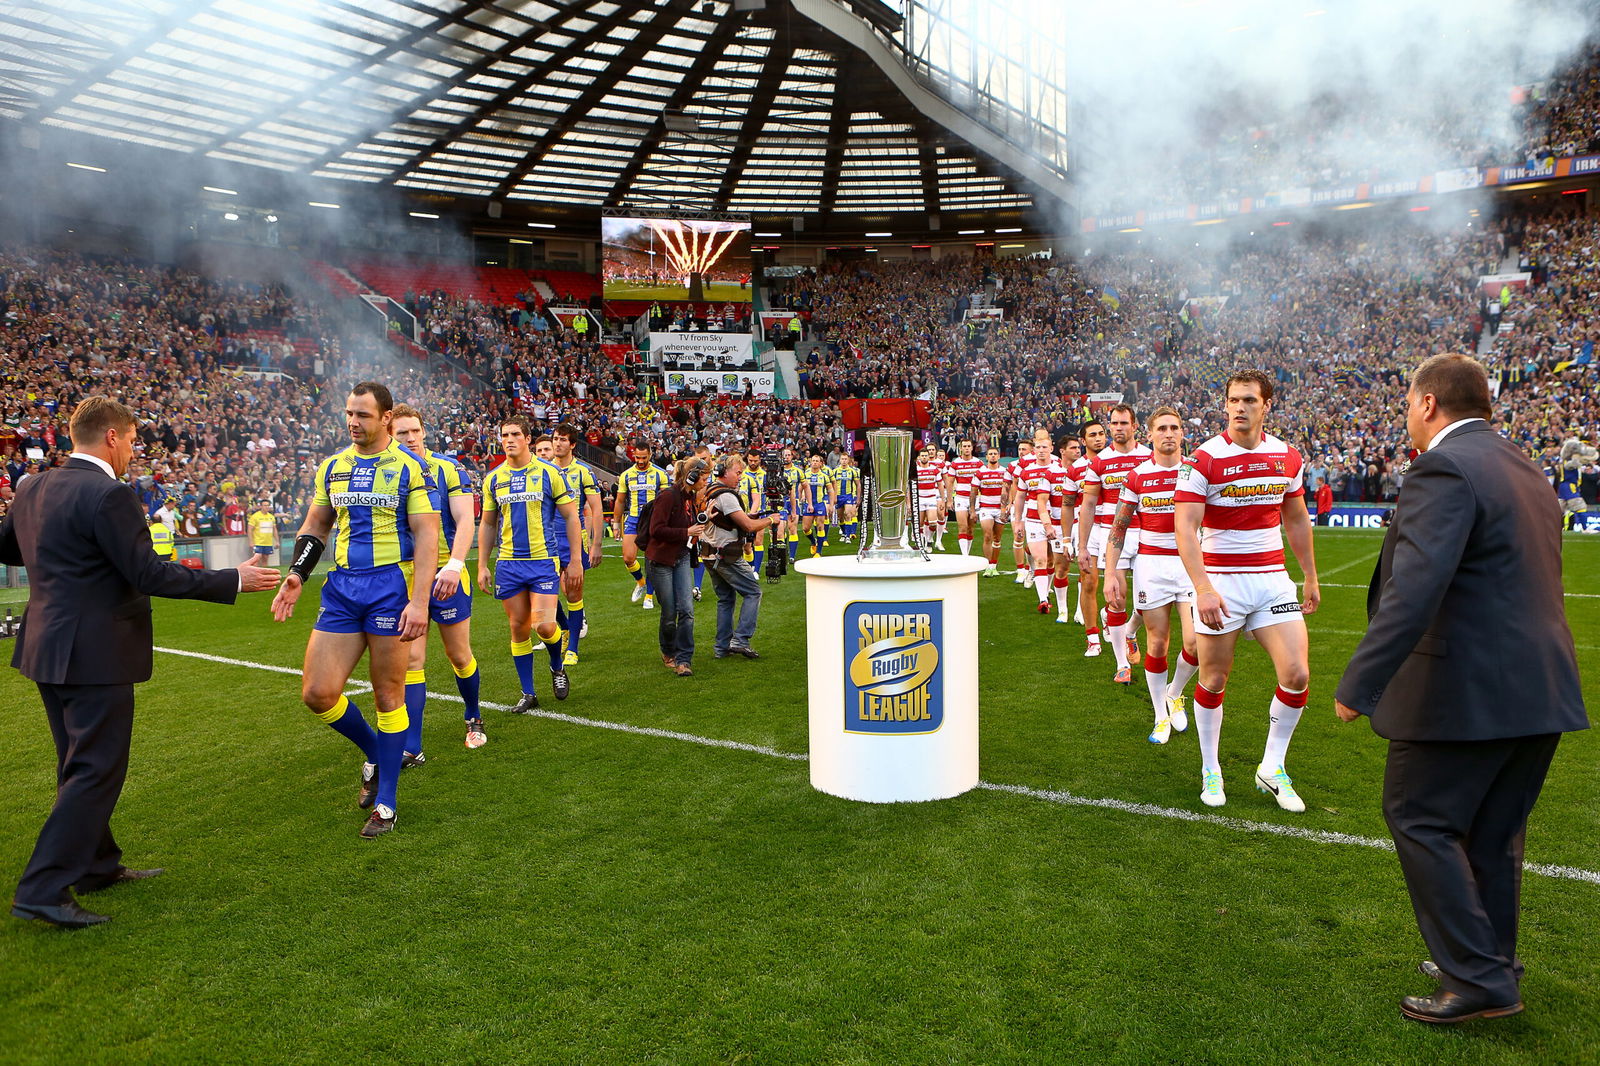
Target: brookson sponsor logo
364 499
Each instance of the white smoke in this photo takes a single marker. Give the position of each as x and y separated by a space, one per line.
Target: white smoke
1176 99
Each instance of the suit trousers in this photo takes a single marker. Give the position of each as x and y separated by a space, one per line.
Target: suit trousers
1458 812
93 727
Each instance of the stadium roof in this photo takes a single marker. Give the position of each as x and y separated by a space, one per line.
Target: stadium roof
592 103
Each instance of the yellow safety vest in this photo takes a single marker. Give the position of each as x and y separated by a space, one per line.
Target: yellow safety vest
161 538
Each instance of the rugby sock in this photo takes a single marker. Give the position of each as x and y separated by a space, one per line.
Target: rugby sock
1093 633
1061 584
467 682
649 584
1116 631
561 611
1155 679
1286 709
1041 585
574 625
346 720
391 749
1208 726
416 700
1187 665
794 546
757 558
522 659
699 575
964 542
552 644
636 571
816 543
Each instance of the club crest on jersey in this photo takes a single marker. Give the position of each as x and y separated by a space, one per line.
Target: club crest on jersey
894 667
1278 467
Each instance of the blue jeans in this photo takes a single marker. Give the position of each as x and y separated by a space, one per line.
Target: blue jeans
675 599
730 578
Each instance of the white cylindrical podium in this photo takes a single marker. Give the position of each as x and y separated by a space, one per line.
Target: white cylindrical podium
893 676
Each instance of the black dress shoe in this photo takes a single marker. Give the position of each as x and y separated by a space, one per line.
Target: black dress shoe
121 877
1447 1008
66 915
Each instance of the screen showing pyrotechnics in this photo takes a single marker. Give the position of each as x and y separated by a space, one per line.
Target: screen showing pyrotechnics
669 259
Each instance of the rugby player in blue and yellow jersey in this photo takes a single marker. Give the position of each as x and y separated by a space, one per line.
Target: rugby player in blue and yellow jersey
753 491
375 599
817 497
530 512
847 479
637 486
585 490
451 603
789 506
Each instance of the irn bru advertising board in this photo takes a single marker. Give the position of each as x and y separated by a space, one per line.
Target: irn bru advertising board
894 669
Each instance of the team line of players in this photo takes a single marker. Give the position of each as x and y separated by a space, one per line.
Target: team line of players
1197 537
1202 534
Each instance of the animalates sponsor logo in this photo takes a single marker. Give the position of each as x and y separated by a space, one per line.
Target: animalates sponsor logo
894 667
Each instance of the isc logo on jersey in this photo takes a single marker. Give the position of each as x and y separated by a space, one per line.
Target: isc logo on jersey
893 677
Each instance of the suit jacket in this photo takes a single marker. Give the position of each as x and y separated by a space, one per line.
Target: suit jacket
1468 636
92 571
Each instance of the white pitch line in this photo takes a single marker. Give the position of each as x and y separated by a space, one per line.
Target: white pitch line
1149 810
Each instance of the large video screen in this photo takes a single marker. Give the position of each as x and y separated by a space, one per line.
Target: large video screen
670 259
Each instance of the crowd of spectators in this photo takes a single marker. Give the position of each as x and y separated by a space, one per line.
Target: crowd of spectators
235 415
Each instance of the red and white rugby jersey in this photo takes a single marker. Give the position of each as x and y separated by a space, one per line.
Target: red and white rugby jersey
1064 485
962 470
1153 486
1035 477
990 483
930 478
1243 492
1108 470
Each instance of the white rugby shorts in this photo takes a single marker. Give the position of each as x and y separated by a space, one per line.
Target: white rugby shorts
1034 530
990 514
928 501
1159 580
1254 601
1099 535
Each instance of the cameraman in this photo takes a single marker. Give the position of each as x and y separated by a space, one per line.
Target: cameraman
725 528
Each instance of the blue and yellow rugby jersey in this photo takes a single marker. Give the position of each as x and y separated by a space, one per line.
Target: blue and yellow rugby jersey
814 486
528 501
848 480
373 498
582 484
450 482
750 490
641 487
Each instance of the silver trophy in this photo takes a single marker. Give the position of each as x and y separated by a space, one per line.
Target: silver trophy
895 533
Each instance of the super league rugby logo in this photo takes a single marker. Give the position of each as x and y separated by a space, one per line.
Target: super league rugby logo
894 677
892 497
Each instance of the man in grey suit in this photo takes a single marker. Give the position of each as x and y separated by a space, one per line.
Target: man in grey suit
86 641
1468 670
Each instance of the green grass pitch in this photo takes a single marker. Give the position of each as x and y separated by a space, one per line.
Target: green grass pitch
715 291
571 894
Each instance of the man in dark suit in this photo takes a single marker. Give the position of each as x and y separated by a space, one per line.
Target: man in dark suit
86 641
1468 669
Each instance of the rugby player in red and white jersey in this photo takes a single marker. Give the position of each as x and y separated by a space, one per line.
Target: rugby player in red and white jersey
1147 501
930 496
1094 439
958 491
989 487
1014 494
1238 496
1069 453
1101 485
1042 481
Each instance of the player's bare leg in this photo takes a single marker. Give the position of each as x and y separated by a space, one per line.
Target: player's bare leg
1289 646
